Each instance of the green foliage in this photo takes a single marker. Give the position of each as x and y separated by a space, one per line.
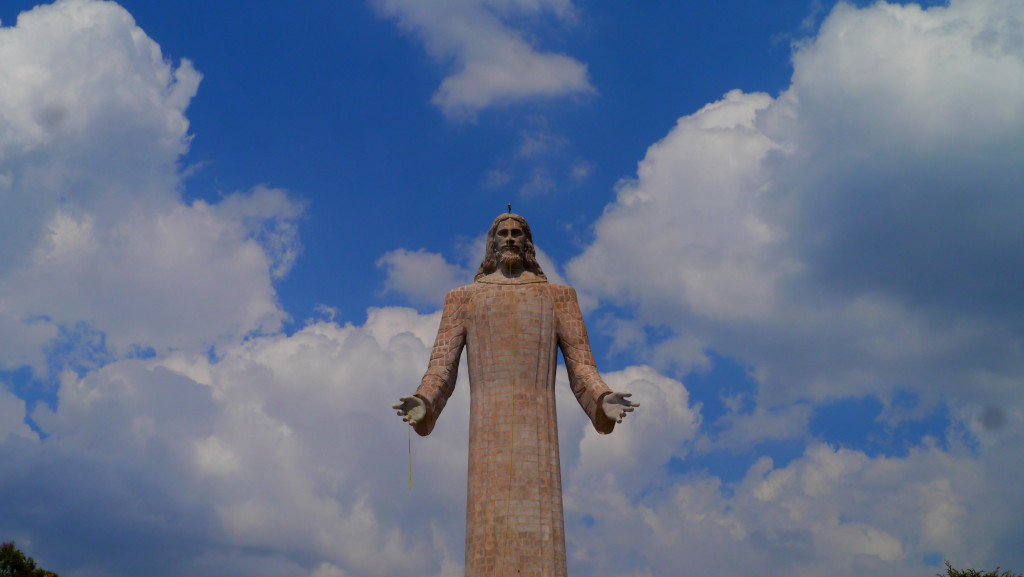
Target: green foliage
951 572
14 563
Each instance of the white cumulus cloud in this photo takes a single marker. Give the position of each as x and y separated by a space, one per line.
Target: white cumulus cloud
495 62
423 277
92 228
855 235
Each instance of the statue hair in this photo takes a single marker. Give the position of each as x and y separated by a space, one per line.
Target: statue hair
490 262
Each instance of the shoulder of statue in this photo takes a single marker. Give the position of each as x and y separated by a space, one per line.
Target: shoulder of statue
563 293
460 294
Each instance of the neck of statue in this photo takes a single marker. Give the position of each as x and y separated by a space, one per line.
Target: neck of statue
502 275
511 272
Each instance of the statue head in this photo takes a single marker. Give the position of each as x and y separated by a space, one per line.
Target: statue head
509 245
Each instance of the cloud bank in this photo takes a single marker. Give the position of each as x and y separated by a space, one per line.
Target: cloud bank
94 229
856 236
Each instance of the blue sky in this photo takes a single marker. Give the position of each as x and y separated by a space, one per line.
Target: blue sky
226 231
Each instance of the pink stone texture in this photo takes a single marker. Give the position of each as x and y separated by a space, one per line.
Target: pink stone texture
512 329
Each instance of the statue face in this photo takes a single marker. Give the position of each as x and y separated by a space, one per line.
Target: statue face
510 243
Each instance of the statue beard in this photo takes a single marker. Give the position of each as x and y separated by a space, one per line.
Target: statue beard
510 259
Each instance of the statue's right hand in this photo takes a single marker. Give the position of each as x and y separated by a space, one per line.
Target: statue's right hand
411 409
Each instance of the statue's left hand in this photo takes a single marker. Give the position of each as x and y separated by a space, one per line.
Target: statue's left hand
617 405
412 409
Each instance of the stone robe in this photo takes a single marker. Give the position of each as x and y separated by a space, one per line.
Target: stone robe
513 329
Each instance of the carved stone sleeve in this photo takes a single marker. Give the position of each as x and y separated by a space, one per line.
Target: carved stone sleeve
584 379
439 381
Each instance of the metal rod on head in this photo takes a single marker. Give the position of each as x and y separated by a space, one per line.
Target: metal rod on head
510 208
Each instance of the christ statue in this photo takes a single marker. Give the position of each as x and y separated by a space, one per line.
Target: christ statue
513 322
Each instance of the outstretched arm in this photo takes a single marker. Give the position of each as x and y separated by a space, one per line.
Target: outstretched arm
602 405
422 409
